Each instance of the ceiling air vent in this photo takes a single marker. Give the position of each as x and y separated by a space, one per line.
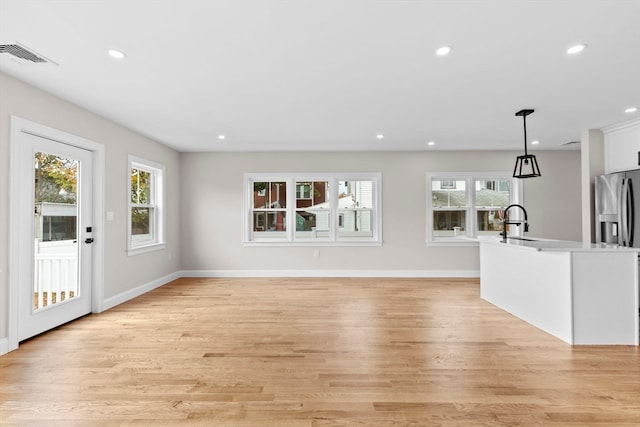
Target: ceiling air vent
23 55
570 143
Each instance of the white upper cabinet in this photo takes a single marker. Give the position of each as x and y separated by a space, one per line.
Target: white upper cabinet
622 146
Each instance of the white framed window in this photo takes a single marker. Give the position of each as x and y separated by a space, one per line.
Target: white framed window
145 229
313 209
464 205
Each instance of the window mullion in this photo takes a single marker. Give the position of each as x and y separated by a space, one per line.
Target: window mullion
249 216
377 219
152 185
291 208
334 206
471 207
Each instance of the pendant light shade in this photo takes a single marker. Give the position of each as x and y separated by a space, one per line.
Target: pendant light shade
526 165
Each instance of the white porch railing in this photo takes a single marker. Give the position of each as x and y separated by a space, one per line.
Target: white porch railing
53 275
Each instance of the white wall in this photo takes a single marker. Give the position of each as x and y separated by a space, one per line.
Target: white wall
212 209
121 273
553 201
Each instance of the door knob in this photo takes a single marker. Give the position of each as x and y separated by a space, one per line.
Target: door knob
88 240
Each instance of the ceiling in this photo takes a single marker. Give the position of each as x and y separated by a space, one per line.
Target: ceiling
334 74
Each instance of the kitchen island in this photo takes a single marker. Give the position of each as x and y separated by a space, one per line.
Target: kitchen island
579 293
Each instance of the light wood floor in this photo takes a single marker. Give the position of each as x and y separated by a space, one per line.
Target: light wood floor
314 352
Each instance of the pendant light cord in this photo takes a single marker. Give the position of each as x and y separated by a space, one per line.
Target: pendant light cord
524 119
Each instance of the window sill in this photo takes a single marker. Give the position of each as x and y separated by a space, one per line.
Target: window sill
312 243
152 247
454 241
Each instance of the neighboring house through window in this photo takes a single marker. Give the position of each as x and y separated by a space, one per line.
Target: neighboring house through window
146 214
332 208
303 190
462 205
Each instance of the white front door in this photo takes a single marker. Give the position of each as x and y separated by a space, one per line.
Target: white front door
55 248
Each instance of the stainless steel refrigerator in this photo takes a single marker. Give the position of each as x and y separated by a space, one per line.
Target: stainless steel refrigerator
618 208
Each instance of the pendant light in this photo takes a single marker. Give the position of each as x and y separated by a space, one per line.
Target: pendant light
527 165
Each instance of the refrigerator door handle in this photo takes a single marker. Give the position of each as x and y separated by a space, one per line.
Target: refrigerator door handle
623 239
632 212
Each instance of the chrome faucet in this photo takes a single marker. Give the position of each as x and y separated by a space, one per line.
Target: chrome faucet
516 223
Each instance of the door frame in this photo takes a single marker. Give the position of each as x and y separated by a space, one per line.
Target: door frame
18 127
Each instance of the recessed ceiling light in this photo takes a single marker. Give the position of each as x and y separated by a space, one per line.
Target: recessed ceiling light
631 110
431 143
117 54
535 142
380 136
444 50
576 49
221 136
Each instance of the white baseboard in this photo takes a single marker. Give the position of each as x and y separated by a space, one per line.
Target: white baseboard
4 346
142 289
332 273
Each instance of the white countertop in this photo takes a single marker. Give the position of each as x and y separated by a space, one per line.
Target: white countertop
581 293
540 244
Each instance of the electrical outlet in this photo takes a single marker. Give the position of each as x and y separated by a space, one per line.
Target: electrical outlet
316 253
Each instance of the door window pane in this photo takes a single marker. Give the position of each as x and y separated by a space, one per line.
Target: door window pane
55 275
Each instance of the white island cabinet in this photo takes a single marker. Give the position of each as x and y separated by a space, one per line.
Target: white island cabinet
580 293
